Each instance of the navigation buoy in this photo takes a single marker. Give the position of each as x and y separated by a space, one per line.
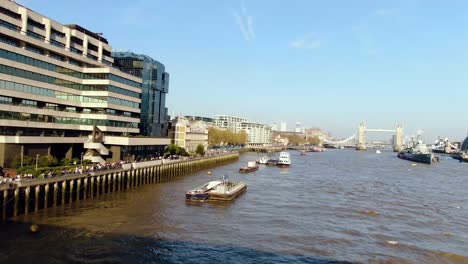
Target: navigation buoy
34 228
209 172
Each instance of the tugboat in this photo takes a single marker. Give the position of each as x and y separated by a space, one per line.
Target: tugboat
284 160
418 152
216 190
251 166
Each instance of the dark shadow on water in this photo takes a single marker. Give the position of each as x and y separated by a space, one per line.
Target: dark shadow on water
54 244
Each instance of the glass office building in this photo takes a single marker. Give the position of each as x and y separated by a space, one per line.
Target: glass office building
154 117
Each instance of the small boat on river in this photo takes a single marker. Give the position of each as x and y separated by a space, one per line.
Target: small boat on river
222 190
251 166
272 162
263 160
284 160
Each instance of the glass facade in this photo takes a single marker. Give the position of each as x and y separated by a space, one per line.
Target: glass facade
154 118
464 145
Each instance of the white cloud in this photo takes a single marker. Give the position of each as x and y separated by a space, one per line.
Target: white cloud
245 23
306 42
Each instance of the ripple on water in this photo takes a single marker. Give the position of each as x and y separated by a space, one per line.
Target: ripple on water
336 205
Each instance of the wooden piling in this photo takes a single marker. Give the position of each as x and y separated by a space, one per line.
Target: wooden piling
36 199
78 189
27 200
98 180
5 204
15 208
70 199
64 188
91 191
85 190
46 196
55 193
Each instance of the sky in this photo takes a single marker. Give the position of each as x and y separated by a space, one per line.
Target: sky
328 64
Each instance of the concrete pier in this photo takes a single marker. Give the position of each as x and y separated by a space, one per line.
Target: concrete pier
69 188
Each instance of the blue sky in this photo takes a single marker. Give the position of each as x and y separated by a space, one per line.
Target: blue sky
328 64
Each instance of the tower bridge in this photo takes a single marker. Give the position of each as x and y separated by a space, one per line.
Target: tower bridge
359 138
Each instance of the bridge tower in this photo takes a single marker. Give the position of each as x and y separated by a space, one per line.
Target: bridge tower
399 138
361 145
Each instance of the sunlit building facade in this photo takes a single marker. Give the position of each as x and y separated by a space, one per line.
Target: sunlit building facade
57 84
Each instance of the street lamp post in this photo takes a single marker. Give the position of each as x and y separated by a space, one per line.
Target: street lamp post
37 159
81 158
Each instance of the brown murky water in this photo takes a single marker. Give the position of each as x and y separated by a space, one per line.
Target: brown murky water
340 205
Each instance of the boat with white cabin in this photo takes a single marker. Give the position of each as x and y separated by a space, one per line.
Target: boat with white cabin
284 160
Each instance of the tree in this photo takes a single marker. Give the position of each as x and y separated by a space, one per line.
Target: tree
47 161
174 149
171 150
296 139
219 137
27 161
315 140
200 149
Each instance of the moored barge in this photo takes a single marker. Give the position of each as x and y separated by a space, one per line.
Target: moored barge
216 190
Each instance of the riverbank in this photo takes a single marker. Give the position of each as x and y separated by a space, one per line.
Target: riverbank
28 196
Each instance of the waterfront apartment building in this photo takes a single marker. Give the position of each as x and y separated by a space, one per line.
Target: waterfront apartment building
189 133
57 84
258 134
231 123
154 116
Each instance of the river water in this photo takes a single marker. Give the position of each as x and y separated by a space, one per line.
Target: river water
340 205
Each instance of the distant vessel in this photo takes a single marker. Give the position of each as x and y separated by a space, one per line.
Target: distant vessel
216 190
251 166
378 151
317 149
418 152
284 160
462 156
272 162
263 160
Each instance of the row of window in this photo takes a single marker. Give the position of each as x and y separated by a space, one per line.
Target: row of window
72 109
49 79
9 26
52 67
64 120
62 95
40 37
119 79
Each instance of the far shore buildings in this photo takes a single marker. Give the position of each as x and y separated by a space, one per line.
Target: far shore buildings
258 134
189 133
59 83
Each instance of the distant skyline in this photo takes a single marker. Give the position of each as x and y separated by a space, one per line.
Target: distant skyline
328 64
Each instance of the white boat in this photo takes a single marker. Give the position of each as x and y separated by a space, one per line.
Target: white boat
378 151
284 160
263 160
